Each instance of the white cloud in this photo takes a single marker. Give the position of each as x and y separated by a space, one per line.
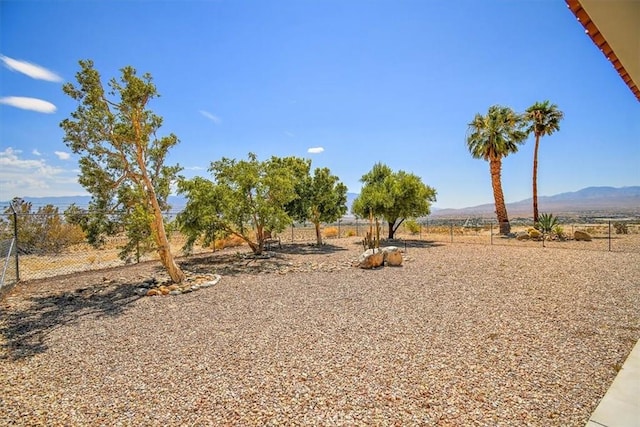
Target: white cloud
315 150
32 70
35 152
21 177
33 104
215 119
62 155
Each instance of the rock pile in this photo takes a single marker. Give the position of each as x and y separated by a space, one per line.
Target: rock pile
152 287
374 258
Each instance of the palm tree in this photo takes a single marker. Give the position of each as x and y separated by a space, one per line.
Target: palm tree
491 138
544 119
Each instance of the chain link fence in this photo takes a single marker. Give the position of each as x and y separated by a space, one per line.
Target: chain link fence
41 245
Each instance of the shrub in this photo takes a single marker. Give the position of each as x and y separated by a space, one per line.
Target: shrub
412 226
330 232
559 232
546 223
621 228
231 241
351 233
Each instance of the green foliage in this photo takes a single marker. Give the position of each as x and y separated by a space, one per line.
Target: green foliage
246 199
546 223
412 226
393 196
44 231
122 163
543 118
320 198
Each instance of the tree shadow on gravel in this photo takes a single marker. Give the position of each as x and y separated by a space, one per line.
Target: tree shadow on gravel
24 328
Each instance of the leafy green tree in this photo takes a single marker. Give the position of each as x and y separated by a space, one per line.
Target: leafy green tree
321 198
246 199
123 161
393 196
492 137
543 119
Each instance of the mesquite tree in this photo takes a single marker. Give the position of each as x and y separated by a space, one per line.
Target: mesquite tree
122 163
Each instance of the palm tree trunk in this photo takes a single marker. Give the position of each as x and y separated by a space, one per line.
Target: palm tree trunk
495 166
535 180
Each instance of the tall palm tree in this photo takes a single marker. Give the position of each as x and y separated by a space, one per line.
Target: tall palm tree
544 119
491 138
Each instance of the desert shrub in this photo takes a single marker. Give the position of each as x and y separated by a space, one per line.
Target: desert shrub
412 226
351 232
534 233
621 228
546 223
559 232
231 241
330 232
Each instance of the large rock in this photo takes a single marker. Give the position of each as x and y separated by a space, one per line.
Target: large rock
522 235
392 256
371 258
582 235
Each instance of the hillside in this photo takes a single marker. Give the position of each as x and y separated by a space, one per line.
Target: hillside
602 200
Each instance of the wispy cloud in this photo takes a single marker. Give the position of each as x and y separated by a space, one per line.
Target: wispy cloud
35 152
195 168
289 134
25 103
22 177
32 70
215 119
315 150
62 155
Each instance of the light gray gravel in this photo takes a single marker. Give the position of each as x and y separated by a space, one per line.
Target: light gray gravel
460 335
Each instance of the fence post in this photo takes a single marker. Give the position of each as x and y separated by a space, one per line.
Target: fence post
291 232
451 231
491 235
609 235
15 237
339 221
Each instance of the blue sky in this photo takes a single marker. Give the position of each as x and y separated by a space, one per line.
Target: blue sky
344 83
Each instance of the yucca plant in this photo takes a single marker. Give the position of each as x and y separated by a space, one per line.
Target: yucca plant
546 223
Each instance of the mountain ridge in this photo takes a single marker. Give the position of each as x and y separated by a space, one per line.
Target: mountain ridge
588 199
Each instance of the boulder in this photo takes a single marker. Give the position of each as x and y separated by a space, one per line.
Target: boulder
371 258
522 235
392 256
582 235
393 259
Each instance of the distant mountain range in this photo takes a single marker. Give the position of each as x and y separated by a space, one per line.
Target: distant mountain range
625 200
588 200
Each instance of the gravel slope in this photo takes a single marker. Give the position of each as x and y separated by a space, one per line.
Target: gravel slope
460 335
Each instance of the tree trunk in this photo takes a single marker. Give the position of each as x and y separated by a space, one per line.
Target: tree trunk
318 234
391 230
160 234
495 166
535 180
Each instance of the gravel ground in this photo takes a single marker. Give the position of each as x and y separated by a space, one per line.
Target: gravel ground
459 335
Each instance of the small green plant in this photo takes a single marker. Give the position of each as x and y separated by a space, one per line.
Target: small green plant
412 226
546 223
559 232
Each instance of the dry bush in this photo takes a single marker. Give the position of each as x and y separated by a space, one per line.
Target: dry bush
229 242
330 232
351 232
